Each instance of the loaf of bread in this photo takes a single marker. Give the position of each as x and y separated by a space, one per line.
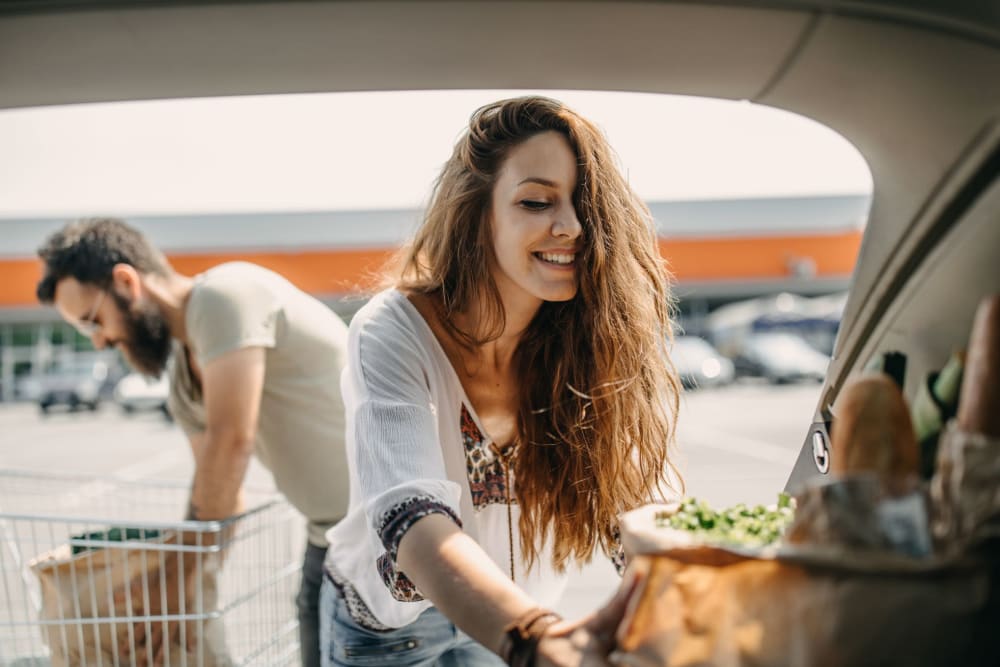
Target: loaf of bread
979 401
872 430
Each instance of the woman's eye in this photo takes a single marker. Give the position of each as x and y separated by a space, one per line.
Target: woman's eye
534 205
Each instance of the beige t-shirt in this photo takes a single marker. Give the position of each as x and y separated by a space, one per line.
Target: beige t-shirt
300 433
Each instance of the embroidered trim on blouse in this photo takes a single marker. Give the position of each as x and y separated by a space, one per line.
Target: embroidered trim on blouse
618 551
394 524
483 466
356 607
399 585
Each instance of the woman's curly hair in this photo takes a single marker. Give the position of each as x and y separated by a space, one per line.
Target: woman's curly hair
595 425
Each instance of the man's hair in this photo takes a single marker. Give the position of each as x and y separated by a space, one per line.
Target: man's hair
88 250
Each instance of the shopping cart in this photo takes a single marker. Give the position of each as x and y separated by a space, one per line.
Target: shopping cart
83 562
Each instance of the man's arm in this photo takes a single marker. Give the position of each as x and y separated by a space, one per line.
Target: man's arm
197 442
231 386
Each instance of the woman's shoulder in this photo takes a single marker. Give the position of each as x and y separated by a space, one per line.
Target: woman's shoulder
391 348
385 306
392 320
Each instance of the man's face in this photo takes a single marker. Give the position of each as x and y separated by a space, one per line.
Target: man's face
137 327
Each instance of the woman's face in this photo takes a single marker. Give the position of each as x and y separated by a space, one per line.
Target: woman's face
536 234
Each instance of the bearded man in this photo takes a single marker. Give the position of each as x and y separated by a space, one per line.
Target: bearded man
255 367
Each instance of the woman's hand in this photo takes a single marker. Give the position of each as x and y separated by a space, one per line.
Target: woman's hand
589 641
578 646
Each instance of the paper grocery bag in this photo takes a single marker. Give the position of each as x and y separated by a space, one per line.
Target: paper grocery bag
706 606
78 603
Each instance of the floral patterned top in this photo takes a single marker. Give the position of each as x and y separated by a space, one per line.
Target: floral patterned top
415 446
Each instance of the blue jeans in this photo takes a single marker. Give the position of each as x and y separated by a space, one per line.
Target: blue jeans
429 640
307 602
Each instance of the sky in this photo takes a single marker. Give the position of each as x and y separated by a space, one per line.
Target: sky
382 150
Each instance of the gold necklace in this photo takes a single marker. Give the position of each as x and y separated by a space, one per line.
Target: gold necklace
505 457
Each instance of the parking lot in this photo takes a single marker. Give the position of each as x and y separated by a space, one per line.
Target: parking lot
737 444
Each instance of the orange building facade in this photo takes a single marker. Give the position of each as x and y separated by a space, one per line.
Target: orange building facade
718 250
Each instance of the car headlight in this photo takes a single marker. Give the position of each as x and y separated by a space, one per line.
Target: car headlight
711 368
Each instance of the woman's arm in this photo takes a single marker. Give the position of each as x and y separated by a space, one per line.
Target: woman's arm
454 572
457 575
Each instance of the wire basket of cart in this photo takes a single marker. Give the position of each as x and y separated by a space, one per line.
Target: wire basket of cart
99 571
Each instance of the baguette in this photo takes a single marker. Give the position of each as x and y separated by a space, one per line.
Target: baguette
873 431
979 402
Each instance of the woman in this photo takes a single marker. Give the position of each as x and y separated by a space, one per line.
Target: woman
506 402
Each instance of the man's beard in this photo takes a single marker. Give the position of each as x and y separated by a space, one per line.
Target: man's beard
147 339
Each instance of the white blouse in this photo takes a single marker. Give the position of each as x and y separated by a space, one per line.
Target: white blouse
415 446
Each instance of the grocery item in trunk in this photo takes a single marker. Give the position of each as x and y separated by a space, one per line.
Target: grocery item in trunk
737 526
979 405
855 602
872 430
935 402
858 580
710 607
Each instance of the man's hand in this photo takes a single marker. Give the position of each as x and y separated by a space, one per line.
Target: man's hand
168 587
589 641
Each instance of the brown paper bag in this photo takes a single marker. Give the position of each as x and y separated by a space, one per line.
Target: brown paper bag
711 607
856 585
78 603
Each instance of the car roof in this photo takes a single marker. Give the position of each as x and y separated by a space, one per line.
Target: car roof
911 83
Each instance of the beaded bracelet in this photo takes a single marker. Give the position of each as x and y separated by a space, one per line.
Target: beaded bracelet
519 645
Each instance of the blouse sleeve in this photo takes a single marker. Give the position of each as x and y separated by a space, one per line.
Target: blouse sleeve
396 444
617 553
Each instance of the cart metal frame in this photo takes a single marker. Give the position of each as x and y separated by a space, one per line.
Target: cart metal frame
244 574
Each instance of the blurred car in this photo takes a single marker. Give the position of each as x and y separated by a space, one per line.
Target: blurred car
139 393
781 358
699 364
28 387
75 384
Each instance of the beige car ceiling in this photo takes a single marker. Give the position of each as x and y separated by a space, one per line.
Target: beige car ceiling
912 84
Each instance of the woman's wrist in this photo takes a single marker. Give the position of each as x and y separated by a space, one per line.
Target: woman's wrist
519 642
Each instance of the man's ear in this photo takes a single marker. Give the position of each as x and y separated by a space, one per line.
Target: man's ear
126 281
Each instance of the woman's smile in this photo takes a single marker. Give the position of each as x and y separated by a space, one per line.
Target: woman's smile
557 261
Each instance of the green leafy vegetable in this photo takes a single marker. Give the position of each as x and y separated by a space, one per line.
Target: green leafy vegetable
738 525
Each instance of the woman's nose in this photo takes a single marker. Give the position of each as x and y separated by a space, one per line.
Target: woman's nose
567 224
